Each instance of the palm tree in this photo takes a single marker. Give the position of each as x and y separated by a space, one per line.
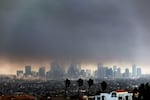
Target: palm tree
80 83
90 83
103 86
67 84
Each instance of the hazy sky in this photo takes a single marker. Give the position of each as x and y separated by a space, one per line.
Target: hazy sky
87 31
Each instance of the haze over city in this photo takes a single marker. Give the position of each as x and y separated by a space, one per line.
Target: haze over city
87 32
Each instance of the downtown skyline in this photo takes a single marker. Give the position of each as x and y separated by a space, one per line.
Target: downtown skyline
65 67
74 71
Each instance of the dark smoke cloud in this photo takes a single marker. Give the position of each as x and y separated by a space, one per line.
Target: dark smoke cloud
84 30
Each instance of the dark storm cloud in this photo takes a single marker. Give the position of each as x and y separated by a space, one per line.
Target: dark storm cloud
87 29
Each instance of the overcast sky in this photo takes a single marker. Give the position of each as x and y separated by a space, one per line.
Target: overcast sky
74 30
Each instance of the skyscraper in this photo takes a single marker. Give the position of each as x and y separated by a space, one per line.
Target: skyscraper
114 72
127 73
19 73
42 72
74 71
134 70
109 72
56 72
139 72
28 70
119 73
101 71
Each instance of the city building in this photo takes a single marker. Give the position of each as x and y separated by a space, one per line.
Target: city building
34 74
74 71
118 73
139 72
56 72
134 71
27 70
109 72
127 73
83 74
114 72
42 72
88 73
101 71
20 73
115 95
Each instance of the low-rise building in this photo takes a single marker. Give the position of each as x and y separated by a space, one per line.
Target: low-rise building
115 95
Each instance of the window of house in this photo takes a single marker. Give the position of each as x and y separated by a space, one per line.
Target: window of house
113 95
120 98
98 98
126 98
103 98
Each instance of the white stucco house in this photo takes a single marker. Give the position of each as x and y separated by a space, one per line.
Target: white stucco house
115 95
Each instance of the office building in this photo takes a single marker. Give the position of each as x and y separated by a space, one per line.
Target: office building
19 73
134 70
101 71
139 72
27 70
127 73
42 72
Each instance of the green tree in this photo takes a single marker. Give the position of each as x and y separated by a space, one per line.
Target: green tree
90 83
67 84
103 86
80 83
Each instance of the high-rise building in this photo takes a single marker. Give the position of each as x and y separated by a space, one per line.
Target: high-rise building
139 72
101 71
109 72
114 72
19 73
34 74
48 75
27 70
127 73
88 73
82 73
42 72
134 70
118 73
56 72
74 71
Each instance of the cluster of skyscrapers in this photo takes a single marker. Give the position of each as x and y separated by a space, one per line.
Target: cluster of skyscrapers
74 71
115 72
56 71
29 73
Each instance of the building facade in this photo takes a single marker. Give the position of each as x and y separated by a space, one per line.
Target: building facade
114 95
27 70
